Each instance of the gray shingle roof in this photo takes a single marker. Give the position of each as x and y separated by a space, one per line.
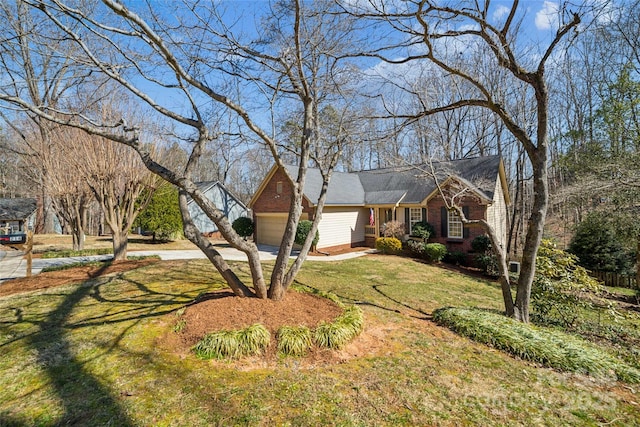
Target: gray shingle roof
344 188
16 209
405 184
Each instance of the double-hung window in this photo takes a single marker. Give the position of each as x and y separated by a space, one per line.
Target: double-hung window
455 225
415 216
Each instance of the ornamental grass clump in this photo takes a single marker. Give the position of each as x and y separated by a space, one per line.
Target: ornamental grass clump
294 340
254 339
549 347
336 334
233 344
218 345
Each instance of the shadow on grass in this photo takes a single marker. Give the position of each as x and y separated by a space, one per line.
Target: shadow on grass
425 315
84 399
376 288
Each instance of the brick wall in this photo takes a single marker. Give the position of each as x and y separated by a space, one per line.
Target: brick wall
476 211
272 201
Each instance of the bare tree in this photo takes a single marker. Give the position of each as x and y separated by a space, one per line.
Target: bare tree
442 33
70 193
116 178
44 77
294 60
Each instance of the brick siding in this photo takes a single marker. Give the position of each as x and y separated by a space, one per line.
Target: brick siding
476 211
270 201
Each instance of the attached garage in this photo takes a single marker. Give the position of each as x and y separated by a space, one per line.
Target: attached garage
342 226
270 228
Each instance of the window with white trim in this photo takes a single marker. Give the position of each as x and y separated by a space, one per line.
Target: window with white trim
415 216
455 225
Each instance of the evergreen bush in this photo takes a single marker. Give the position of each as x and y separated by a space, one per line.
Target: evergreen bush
423 230
481 244
304 227
162 215
435 252
598 248
485 258
243 226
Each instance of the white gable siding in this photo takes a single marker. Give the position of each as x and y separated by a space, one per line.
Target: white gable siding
342 226
497 214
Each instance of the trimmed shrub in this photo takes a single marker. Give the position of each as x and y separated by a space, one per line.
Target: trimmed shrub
455 257
486 259
243 226
416 248
435 252
388 245
481 244
304 227
488 263
423 230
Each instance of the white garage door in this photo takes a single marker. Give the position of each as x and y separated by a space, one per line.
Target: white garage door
270 228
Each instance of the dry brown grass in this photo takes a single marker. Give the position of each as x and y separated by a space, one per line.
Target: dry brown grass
57 242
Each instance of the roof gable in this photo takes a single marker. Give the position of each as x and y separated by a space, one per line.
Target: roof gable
206 186
384 185
17 209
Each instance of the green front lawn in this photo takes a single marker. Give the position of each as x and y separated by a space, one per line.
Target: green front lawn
88 355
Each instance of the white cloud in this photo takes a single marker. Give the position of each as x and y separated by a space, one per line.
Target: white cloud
500 12
548 17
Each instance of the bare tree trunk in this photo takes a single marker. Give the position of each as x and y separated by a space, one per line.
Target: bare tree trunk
234 282
120 243
47 213
78 239
501 256
535 229
277 286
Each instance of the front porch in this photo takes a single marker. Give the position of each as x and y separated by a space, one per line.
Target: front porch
378 216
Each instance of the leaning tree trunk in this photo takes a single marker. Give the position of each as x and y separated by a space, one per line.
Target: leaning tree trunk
278 285
192 233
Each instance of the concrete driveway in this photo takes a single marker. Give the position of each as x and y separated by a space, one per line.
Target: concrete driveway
12 264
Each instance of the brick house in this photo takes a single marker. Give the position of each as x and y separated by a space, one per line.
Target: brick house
358 203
